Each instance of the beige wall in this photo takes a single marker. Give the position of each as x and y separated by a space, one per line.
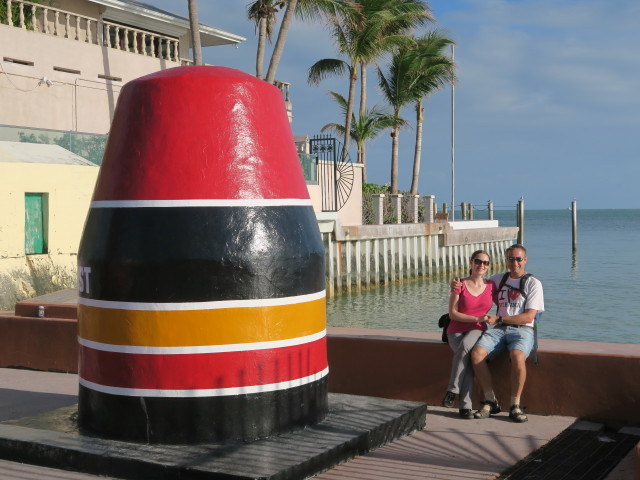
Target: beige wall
351 212
83 102
69 189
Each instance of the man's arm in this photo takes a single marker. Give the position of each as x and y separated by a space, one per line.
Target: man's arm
522 318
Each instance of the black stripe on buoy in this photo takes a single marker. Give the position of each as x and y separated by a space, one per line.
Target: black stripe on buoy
195 254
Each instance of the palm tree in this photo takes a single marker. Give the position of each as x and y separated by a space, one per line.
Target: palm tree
436 71
398 87
415 71
399 17
195 32
366 127
364 30
305 9
276 55
263 13
402 17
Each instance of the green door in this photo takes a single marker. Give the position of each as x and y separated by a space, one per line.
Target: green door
34 227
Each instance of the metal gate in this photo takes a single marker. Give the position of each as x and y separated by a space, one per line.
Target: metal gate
335 176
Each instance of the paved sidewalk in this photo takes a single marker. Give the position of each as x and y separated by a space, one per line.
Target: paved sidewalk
453 448
449 447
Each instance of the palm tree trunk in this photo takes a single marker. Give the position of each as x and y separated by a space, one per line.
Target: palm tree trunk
363 88
282 37
364 166
262 40
196 45
363 106
418 149
353 77
395 133
363 157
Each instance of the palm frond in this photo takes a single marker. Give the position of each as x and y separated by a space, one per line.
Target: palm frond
336 128
326 68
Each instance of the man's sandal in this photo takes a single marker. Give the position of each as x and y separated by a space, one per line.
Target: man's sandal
488 408
517 415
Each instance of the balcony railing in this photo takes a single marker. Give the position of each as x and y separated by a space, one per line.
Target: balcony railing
60 23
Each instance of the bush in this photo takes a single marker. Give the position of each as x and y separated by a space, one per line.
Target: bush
15 14
388 213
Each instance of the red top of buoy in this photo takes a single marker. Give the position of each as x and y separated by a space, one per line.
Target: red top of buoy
200 133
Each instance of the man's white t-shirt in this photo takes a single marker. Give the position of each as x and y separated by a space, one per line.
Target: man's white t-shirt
511 302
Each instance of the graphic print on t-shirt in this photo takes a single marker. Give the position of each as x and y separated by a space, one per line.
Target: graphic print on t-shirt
510 299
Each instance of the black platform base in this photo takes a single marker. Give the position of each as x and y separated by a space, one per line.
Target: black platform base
354 425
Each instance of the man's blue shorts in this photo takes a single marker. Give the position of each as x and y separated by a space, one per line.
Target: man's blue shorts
503 338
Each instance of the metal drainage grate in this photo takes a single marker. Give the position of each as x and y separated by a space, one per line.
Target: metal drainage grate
574 455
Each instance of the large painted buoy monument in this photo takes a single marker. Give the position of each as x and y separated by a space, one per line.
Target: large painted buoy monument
201 269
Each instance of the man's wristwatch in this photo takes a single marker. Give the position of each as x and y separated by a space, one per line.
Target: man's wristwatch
500 321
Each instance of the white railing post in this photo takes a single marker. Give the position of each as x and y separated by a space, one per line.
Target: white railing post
414 201
45 22
34 19
153 46
429 212
21 16
21 10
396 203
9 16
378 208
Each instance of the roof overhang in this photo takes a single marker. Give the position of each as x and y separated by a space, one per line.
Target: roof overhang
19 152
149 17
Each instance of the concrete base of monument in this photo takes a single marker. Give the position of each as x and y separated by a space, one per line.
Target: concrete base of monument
354 425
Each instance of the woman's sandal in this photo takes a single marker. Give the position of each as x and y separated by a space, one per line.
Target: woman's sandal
517 415
488 408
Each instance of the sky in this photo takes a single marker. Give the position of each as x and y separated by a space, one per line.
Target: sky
547 106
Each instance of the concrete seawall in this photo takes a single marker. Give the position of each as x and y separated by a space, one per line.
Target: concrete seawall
579 379
360 256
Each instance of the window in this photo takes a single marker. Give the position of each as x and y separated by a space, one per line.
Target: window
36 220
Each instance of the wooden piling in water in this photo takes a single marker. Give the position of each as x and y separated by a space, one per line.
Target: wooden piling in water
521 221
574 226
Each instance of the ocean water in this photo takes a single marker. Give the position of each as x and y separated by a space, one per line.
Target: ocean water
591 295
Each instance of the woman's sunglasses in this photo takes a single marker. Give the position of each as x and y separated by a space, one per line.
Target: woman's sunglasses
477 261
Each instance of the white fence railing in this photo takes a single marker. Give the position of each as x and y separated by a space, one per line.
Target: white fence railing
353 264
60 23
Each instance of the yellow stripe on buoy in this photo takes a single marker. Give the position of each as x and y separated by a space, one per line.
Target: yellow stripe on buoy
201 327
